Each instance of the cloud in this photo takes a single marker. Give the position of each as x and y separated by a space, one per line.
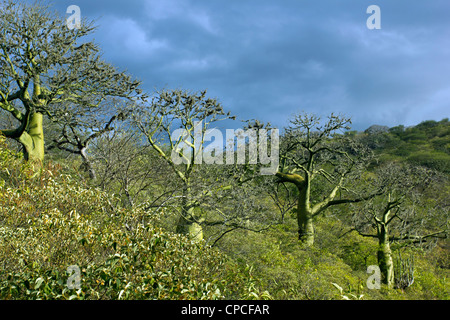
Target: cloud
265 59
179 10
126 37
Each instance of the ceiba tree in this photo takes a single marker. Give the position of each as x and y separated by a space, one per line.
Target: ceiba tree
43 64
313 151
402 212
179 126
194 114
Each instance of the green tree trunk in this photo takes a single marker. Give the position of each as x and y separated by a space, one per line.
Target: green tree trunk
188 226
187 223
384 254
32 140
304 212
304 217
305 227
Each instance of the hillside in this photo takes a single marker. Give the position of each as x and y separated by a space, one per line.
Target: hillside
342 257
52 225
57 220
426 144
117 187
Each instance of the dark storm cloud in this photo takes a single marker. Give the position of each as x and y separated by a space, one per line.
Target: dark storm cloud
267 59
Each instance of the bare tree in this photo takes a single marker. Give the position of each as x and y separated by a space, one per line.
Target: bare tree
130 168
43 64
400 214
77 127
194 114
314 154
210 194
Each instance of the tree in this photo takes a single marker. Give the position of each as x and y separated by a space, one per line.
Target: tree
313 155
284 196
178 125
194 114
125 165
400 214
44 64
77 127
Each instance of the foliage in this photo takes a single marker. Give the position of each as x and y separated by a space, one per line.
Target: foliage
54 220
427 144
51 222
49 70
116 226
290 272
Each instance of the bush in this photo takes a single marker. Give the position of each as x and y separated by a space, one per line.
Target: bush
49 222
436 161
288 271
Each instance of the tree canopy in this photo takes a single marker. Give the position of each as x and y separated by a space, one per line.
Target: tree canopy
44 64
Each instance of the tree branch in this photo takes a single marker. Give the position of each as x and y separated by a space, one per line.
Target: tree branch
296 179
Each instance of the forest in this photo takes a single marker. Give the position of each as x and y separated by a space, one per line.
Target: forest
100 200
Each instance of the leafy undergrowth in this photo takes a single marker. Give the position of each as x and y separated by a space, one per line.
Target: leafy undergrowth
51 224
335 267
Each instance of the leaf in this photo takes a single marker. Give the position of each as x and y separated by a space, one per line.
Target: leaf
38 283
83 241
254 294
338 287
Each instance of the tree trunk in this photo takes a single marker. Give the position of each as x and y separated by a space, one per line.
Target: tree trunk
385 261
305 228
190 228
304 219
304 213
187 224
87 166
32 140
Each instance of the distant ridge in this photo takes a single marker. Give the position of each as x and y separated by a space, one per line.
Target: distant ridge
374 129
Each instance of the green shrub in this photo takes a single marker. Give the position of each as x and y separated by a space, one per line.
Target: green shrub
437 161
49 221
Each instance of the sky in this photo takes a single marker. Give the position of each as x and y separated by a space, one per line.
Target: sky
271 59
